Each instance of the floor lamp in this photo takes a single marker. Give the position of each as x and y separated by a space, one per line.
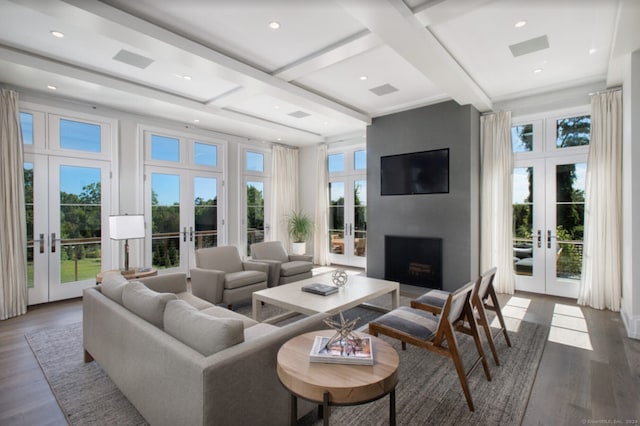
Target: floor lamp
126 227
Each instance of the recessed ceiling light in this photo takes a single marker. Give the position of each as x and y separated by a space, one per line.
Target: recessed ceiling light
57 34
274 25
279 139
50 87
592 51
520 24
276 107
196 121
537 70
363 77
187 77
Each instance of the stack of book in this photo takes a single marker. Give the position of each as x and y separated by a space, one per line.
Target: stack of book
342 351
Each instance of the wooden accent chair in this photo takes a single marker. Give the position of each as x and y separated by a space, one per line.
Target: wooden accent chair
433 301
435 333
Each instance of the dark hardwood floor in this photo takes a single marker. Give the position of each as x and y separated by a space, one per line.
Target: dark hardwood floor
573 386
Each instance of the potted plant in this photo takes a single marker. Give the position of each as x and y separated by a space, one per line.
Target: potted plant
300 227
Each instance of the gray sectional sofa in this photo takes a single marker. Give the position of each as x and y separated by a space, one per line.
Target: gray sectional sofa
183 361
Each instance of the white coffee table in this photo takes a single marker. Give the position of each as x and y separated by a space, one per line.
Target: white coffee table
358 290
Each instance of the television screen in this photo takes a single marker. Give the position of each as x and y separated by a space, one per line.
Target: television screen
425 172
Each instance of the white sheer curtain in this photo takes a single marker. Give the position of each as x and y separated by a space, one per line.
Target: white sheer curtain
285 189
321 218
13 234
600 286
496 218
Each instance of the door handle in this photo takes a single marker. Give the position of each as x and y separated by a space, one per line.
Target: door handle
539 238
184 234
41 243
549 236
351 229
53 242
191 233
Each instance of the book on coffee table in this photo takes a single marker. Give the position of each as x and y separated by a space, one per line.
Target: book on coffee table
321 289
343 351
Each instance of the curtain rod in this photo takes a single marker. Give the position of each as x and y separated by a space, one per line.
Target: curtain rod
599 92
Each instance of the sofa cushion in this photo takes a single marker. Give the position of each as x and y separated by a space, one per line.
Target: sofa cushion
194 301
219 312
146 303
113 283
294 268
202 332
259 330
243 278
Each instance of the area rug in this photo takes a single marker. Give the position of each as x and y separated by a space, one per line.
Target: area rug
428 391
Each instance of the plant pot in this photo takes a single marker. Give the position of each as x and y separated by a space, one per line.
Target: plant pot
298 248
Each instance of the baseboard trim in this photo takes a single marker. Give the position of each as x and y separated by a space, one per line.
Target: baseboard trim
631 324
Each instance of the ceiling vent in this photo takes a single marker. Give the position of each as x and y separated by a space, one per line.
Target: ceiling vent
385 89
133 59
299 114
529 46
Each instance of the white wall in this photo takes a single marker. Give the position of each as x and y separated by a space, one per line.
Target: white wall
631 196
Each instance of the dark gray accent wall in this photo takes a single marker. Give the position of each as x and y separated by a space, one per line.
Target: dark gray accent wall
454 217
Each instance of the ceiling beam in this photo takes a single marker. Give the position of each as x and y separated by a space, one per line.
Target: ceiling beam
395 25
118 25
431 13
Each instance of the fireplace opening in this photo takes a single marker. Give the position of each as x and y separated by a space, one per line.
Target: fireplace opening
415 261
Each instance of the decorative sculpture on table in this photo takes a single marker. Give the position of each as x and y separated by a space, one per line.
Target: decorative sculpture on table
339 278
344 329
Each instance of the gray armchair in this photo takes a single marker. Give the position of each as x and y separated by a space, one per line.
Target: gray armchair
220 276
283 268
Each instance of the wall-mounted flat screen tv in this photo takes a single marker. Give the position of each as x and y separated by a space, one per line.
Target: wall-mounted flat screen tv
425 172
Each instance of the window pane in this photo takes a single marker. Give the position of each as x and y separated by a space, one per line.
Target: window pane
79 136
255 214
336 217
28 207
360 218
26 123
254 162
165 220
206 212
522 138
164 148
80 223
574 131
523 220
205 154
570 187
360 160
336 163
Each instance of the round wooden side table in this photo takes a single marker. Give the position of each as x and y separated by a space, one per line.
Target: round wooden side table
136 273
337 384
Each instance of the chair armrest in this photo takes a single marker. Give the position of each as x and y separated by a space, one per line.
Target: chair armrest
273 276
207 284
255 266
303 257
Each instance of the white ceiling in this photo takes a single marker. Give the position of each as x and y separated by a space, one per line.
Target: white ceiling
247 79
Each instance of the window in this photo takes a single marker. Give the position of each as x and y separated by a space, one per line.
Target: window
336 163
79 136
165 148
522 138
26 123
254 162
573 131
205 154
360 160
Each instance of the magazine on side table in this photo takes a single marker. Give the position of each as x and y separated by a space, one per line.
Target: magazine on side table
342 351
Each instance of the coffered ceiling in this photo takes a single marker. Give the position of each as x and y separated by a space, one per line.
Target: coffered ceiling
324 73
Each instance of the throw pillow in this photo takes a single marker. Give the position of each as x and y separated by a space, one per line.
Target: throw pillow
146 303
202 332
113 284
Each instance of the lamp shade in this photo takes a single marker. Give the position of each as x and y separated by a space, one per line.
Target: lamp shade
124 227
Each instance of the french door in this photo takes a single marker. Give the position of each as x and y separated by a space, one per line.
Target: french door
548 219
183 207
348 221
67 206
256 223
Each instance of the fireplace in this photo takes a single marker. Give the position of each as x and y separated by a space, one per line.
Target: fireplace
415 261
